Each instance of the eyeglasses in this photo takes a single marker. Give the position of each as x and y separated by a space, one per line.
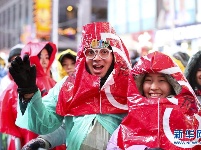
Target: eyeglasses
91 53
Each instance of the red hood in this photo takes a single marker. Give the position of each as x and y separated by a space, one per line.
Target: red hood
8 115
152 122
158 62
83 95
33 49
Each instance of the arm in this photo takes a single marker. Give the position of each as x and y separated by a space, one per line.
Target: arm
40 115
48 141
56 138
37 116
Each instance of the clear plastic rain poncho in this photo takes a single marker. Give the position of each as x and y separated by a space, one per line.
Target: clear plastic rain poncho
170 123
82 94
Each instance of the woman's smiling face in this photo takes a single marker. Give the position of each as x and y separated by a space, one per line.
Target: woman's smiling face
156 86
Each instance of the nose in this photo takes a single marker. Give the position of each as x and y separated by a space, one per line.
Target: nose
154 86
43 59
97 57
69 66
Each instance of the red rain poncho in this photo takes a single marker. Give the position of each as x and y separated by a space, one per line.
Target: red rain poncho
82 95
159 122
43 79
8 99
8 110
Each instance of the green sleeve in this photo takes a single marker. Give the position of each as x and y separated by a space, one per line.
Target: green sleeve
40 115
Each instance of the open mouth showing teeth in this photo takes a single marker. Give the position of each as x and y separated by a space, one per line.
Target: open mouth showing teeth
155 95
98 67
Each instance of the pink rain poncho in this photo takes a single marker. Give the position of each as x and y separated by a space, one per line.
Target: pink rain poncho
81 94
170 123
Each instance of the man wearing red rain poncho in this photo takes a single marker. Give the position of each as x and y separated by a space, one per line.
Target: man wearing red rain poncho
92 102
8 111
170 123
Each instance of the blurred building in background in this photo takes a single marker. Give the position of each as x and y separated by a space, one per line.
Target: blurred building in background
142 24
22 21
167 25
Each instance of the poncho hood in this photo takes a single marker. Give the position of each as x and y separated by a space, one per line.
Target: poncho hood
43 79
82 94
62 72
33 49
190 72
153 122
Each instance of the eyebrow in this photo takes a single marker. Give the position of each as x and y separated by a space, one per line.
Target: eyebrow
161 76
45 54
157 76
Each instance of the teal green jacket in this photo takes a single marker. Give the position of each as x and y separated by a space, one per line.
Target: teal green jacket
40 117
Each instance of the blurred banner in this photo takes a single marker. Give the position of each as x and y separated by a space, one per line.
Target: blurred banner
176 13
165 14
43 18
26 36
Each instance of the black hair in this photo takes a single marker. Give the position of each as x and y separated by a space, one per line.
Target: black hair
14 52
67 55
133 62
183 57
48 48
192 79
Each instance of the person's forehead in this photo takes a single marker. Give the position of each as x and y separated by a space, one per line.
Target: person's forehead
67 58
97 49
44 51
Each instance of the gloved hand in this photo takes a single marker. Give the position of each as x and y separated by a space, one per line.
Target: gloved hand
35 144
157 148
24 75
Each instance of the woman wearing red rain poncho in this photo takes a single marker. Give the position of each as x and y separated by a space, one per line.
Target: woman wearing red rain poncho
93 101
163 114
8 114
42 55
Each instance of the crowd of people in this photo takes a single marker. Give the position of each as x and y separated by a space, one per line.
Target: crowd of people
102 99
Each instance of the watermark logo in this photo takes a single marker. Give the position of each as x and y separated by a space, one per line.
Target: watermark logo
190 134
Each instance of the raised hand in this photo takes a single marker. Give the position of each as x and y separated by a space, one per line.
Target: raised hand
24 75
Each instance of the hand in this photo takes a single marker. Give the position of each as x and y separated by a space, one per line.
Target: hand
34 144
24 75
157 148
